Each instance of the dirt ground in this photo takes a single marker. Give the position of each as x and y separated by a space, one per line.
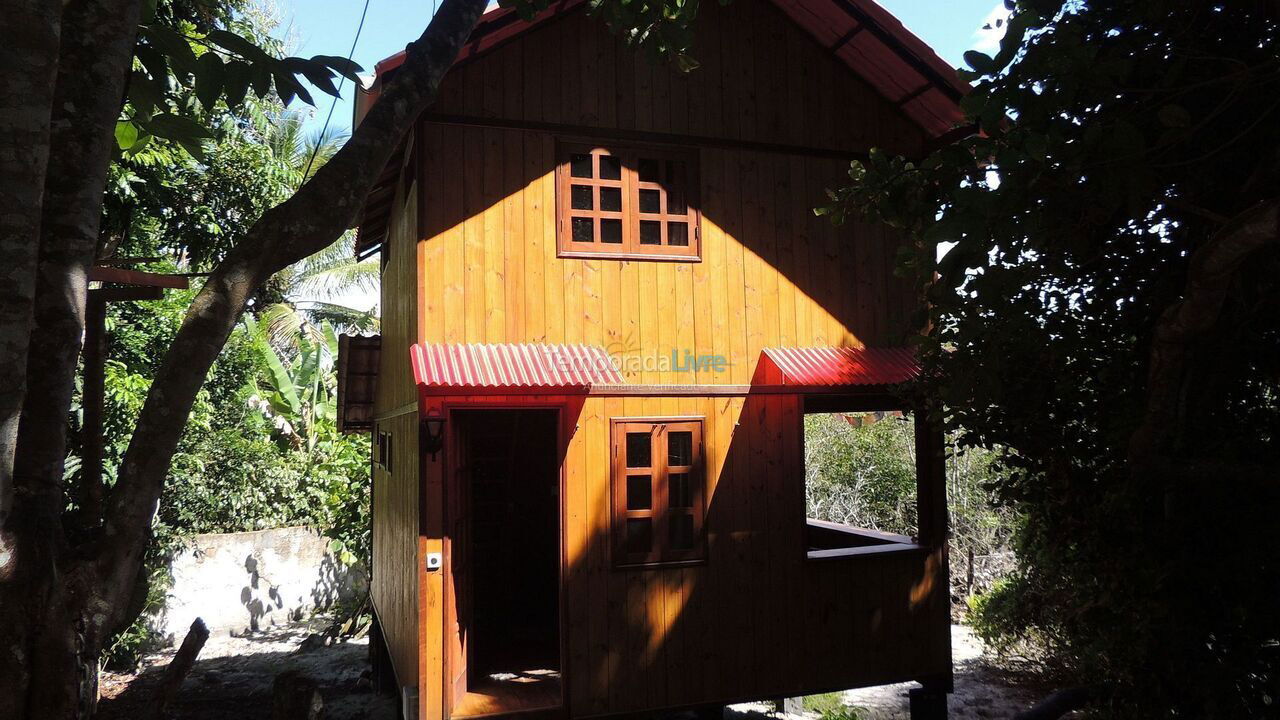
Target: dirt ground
233 677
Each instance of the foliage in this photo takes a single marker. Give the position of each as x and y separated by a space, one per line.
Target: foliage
202 51
1119 143
235 468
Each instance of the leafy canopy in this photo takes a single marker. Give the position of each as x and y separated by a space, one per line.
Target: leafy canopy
1116 140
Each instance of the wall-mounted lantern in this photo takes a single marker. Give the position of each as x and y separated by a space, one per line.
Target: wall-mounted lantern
431 436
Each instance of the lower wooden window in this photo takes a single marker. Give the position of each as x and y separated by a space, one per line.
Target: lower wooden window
659 491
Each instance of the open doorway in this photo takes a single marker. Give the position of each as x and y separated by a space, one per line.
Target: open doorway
508 574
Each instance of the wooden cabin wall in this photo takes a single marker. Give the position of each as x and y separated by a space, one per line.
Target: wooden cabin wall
758 619
772 273
395 494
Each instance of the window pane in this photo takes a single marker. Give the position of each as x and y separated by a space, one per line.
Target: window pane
639 492
610 167
580 165
639 537
679 490
611 231
649 201
581 198
639 449
611 199
650 232
678 233
675 173
582 230
649 171
681 525
675 202
680 448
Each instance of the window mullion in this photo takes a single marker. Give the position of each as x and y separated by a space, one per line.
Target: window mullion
630 204
661 508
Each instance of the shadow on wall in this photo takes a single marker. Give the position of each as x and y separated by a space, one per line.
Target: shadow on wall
248 582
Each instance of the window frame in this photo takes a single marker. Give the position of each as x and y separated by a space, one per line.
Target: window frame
659 511
630 216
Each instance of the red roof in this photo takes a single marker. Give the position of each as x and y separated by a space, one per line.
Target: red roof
836 366
440 368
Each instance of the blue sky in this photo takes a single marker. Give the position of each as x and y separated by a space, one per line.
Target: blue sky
326 27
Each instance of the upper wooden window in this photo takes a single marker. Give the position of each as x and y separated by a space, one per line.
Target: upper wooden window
659 489
627 202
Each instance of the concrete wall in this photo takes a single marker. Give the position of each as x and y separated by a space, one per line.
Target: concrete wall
248 581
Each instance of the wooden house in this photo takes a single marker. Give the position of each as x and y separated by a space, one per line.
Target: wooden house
607 306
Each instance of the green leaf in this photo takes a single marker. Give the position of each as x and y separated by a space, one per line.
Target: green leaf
126 134
316 73
144 93
340 65
260 79
979 61
235 82
287 87
234 43
209 79
172 45
177 127
153 60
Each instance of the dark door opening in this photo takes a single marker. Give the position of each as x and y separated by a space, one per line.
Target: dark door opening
510 480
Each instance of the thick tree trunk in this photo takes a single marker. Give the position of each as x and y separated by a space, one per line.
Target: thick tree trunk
29 55
64 602
29 38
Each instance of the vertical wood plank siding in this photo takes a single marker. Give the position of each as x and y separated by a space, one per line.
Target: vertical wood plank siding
757 619
394 586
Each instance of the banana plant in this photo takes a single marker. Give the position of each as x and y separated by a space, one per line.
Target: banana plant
298 393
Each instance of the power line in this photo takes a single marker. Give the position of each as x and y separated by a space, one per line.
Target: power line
341 79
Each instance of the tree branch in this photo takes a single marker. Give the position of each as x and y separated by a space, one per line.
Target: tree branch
306 223
1208 279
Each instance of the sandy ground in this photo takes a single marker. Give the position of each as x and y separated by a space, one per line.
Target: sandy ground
984 688
233 678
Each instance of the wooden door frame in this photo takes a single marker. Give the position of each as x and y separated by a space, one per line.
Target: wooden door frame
448 469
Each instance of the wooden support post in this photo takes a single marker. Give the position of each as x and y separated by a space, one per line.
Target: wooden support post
931 481
928 703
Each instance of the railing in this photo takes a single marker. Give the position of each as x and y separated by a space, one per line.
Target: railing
830 540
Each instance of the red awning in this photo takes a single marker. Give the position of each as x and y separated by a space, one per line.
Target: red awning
444 368
837 366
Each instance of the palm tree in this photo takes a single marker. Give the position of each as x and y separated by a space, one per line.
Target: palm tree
312 289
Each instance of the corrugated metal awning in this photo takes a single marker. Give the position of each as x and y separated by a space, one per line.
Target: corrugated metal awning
446 368
841 366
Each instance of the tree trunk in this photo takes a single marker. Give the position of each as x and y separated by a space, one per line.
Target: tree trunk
29 55
60 601
29 38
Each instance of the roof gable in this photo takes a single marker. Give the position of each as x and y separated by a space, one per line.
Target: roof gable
864 36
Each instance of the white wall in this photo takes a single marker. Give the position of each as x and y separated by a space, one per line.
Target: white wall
242 582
